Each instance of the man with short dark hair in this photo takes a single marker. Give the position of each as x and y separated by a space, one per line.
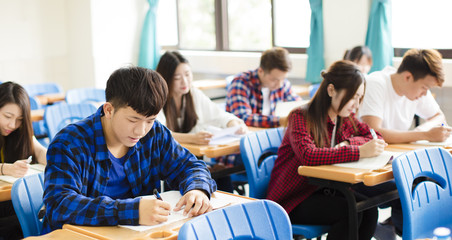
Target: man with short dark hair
252 95
98 168
393 97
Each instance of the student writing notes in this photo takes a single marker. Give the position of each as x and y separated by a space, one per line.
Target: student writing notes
325 131
17 144
394 96
98 168
252 95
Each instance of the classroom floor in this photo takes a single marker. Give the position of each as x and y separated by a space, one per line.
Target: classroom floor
383 214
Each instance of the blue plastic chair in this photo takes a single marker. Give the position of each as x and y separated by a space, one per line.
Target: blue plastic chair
423 179
260 219
26 196
42 88
85 95
56 117
259 152
313 89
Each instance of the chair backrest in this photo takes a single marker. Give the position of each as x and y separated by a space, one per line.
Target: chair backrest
259 152
85 95
26 196
313 89
58 116
423 179
42 88
260 219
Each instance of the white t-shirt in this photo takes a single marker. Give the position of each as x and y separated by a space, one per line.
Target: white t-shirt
397 112
266 108
209 113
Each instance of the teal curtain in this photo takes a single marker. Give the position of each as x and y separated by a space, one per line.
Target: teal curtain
149 54
378 37
316 61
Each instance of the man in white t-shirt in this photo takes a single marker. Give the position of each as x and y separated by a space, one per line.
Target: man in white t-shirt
393 97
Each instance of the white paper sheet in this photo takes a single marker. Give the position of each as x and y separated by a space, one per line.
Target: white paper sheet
371 163
223 135
448 142
283 109
218 200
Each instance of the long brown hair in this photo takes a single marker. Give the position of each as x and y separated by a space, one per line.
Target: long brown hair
19 143
343 75
166 67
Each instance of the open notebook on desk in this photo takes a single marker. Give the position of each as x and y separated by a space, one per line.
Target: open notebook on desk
371 163
218 200
32 169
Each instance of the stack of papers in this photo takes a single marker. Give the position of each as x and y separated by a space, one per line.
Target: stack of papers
372 163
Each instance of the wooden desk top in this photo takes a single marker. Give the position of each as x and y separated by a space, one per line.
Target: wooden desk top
166 232
213 151
209 83
5 191
354 175
51 98
62 234
37 115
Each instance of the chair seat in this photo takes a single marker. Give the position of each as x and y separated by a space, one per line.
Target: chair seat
309 231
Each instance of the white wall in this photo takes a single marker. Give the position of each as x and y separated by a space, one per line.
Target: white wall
78 43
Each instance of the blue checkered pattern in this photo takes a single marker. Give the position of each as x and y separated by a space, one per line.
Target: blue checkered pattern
78 167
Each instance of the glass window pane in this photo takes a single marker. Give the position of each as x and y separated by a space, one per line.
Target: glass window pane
167 23
250 24
197 24
421 24
292 23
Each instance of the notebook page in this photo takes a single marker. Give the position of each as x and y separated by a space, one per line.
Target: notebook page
371 163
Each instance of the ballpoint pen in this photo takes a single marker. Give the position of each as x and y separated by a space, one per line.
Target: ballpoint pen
374 135
29 160
157 194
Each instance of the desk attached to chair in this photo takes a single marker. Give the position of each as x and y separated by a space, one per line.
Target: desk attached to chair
341 179
165 232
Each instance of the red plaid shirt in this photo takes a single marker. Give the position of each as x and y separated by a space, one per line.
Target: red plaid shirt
245 100
288 188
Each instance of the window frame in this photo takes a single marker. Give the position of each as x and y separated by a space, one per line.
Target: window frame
222 30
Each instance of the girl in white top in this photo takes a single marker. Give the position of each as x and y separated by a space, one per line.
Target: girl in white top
188 111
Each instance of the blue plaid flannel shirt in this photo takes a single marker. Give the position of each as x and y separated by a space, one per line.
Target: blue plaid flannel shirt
78 166
244 99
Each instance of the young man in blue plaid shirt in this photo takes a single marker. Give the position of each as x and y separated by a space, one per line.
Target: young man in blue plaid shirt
98 168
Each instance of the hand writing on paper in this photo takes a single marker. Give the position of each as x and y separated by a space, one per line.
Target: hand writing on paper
196 203
153 211
243 128
372 148
438 134
201 137
18 169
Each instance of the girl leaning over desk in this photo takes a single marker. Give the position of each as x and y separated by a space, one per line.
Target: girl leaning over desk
188 111
16 145
325 131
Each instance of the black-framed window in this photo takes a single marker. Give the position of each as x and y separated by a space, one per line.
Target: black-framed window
234 25
422 24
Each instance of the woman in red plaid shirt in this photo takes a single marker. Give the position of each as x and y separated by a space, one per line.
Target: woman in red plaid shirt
325 131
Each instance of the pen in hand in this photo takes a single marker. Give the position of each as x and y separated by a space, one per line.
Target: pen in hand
374 135
157 194
29 160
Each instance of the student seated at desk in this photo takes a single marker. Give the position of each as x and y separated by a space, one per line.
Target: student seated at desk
325 131
17 144
362 56
393 97
188 111
252 95
98 168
